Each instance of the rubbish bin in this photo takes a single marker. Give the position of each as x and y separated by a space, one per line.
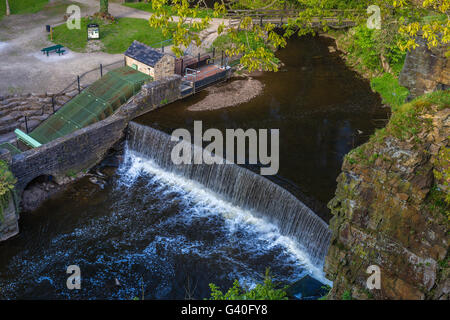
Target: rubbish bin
48 28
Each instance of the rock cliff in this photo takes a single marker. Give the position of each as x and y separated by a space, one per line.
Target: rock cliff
391 208
425 70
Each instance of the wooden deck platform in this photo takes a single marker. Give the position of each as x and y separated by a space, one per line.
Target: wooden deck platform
198 79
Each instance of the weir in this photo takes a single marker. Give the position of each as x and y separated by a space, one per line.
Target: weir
242 188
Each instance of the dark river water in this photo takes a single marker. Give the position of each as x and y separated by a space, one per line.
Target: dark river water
322 109
165 237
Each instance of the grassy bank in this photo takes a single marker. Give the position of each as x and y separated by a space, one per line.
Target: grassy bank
22 6
409 123
362 48
116 36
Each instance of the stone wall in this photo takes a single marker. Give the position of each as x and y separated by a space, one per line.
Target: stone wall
425 70
86 147
37 108
72 153
152 96
141 67
165 67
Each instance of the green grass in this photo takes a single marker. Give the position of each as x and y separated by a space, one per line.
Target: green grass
202 12
405 123
22 6
405 120
387 86
116 37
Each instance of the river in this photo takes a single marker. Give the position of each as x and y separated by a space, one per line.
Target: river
154 233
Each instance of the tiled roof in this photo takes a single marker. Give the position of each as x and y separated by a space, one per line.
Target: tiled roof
144 53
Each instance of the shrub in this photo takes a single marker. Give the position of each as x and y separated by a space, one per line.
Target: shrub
7 182
262 291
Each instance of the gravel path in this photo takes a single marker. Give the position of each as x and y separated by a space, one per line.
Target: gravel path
24 70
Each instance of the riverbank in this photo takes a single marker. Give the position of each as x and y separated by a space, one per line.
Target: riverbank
384 81
229 94
410 218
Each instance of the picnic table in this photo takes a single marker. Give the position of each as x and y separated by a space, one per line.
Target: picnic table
57 48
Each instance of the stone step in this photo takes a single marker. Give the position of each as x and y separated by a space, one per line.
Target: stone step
8 119
7 128
8 137
9 105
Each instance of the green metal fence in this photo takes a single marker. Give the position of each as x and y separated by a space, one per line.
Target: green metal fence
97 102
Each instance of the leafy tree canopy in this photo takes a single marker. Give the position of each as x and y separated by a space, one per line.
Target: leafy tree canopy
399 19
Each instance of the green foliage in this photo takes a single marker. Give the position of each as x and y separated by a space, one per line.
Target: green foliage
405 123
379 50
264 291
357 155
325 296
7 182
226 42
444 263
364 47
442 175
346 295
440 98
104 6
371 46
259 58
71 174
147 6
116 36
22 6
390 91
429 24
437 201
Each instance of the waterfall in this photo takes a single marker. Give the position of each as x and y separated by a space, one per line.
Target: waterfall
242 188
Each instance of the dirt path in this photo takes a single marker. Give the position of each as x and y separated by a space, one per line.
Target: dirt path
24 69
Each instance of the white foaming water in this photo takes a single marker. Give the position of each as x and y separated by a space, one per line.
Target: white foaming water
135 165
240 187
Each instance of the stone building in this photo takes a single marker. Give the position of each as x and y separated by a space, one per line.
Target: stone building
149 61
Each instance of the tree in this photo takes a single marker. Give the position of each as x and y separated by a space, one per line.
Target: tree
433 25
184 26
408 19
8 12
104 6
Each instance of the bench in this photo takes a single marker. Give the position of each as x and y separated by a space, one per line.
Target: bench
51 49
60 52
